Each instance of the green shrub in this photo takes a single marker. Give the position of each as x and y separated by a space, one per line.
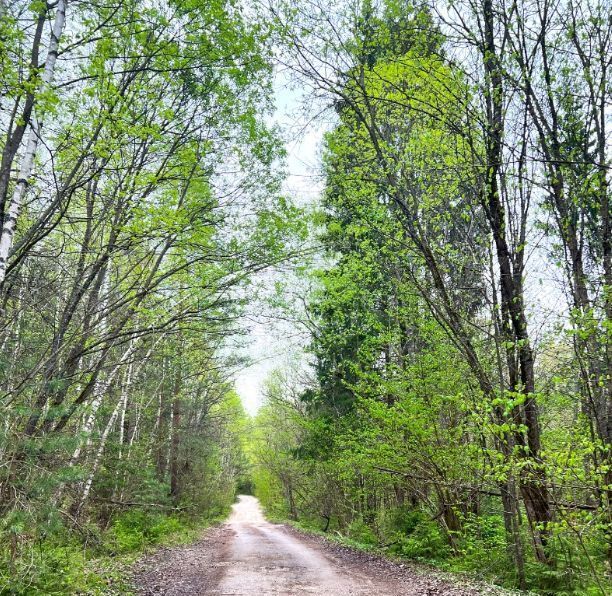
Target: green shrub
401 519
482 549
51 568
425 541
60 564
360 532
136 529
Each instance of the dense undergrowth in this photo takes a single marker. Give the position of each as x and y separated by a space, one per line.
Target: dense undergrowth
418 549
404 534
94 561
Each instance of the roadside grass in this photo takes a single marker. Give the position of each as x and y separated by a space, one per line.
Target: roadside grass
99 562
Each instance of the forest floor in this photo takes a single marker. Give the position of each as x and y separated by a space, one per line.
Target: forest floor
248 555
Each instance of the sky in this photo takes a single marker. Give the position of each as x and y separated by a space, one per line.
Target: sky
270 343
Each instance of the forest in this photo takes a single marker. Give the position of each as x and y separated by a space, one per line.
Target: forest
451 401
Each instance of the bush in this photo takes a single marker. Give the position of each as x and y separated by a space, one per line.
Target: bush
483 550
401 519
136 529
417 537
360 532
52 567
61 564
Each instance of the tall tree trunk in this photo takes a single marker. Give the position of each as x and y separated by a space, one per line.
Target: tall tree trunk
77 507
175 483
161 425
18 126
532 481
9 222
513 533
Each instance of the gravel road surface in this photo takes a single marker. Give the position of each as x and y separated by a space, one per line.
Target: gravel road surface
248 555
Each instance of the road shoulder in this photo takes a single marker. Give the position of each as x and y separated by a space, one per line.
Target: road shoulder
411 577
194 568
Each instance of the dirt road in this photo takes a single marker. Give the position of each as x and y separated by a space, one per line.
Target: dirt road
248 555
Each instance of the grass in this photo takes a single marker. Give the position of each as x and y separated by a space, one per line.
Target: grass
100 564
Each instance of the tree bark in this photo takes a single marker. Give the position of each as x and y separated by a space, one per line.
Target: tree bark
175 443
9 222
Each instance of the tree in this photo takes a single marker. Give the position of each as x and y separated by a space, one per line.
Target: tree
149 196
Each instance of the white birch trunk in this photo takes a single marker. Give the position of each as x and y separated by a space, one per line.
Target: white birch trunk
126 390
27 163
100 390
133 437
124 402
13 330
100 386
98 457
